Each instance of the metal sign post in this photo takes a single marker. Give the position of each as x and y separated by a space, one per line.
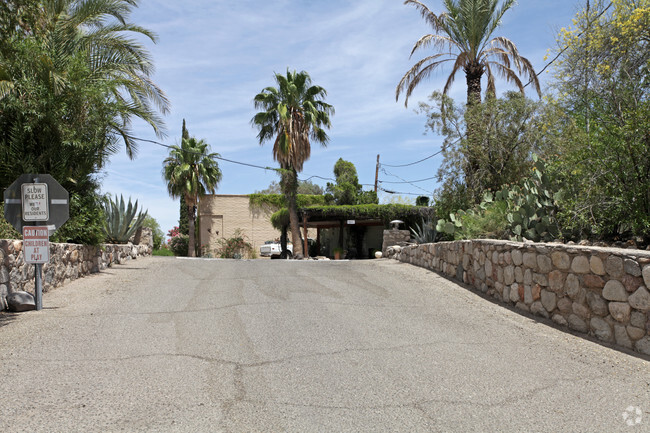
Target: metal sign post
36 250
37 205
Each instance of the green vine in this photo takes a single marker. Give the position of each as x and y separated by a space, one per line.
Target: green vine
280 219
276 201
385 212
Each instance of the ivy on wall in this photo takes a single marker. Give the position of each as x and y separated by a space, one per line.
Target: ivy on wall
277 200
385 212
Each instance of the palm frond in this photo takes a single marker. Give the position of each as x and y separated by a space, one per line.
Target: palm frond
426 13
417 73
463 33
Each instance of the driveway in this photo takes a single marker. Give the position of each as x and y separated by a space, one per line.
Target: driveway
180 345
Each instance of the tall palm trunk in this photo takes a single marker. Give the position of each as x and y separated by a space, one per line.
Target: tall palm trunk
473 74
290 191
283 242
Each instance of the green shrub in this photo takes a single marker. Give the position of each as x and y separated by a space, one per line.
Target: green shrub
235 247
490 222
7 231
179 244
85 223
526 210
163 251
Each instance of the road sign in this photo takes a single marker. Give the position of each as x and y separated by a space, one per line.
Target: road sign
35 203
36 244
52 204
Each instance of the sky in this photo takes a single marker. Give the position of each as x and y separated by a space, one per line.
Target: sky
213 56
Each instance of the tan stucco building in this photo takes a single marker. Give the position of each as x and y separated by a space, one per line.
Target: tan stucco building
221 215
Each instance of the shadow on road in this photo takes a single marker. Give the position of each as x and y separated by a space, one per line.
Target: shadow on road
6 318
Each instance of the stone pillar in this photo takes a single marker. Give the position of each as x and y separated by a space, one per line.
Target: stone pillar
395 237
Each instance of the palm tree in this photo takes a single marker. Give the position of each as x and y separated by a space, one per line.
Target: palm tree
292 113
97 35
191 172
463 35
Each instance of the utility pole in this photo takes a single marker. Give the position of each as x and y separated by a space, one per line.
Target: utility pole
377 174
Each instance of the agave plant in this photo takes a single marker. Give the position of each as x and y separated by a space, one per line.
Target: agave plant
426 233
121 221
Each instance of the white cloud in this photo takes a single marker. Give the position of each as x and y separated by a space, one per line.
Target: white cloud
213 56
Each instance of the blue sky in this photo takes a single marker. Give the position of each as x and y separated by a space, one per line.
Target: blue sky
213 57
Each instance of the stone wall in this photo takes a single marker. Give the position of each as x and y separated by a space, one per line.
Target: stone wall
67 262
598 291
395 237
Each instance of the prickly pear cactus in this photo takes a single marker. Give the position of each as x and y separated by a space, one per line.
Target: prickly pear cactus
531 206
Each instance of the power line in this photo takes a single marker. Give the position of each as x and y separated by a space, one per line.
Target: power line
397 192
328 178
269 168
404 180
413 163
412 181
199 153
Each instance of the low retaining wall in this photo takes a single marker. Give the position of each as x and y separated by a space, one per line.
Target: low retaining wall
599 291
67 262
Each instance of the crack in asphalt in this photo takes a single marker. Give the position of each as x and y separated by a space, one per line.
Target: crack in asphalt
229 306
252 364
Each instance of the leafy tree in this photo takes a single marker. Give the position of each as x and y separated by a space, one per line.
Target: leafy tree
397 199
463 36
509 130
293 114
347 190
71 80
86 222
191 172
603 82
156 231
304 187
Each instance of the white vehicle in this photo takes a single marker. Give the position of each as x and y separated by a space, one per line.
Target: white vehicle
274 249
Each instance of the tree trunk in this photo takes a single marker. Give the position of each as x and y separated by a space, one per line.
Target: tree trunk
283 242
473 74
291 186
191 216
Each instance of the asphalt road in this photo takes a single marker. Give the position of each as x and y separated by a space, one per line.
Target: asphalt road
173 345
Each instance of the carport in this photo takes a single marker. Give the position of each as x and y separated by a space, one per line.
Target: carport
357 230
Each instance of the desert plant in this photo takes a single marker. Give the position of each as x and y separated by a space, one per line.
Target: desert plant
532 206
426 232
121 220
518 212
